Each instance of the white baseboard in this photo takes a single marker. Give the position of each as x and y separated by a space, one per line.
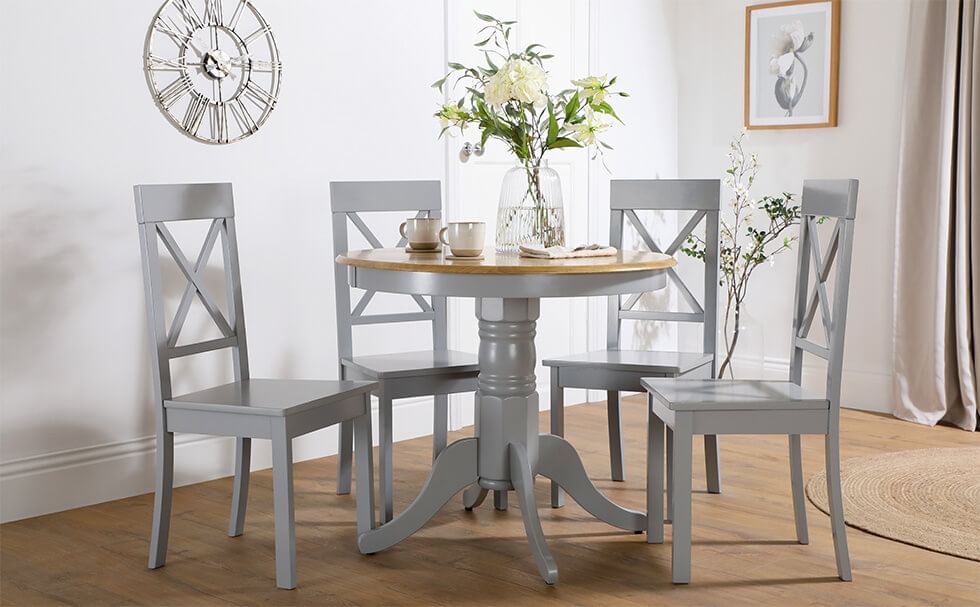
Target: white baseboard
59 481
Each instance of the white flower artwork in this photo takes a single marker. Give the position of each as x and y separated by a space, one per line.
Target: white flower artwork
792 64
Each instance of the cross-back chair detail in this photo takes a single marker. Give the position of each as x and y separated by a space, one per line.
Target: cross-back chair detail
156 206
616 370
437 372
274 409
357 314
700 196
687 407
834 200
348 201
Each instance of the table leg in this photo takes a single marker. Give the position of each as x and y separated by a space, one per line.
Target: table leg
453 470
523 479
561 463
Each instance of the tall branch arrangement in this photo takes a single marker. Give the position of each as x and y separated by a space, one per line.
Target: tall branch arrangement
508 100
747 241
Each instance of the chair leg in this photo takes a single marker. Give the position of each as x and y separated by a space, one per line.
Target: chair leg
836 502
615 436
558 429
386 468
796 479
440 424
282 490
239 497
345 457
364 461
162 499
712 463
680 554
670 474
655 478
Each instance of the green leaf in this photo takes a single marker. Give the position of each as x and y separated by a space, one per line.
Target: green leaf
456 66
484 41
552 124
438 83
483 17
564 142
545 56
484 137
571 107
605 108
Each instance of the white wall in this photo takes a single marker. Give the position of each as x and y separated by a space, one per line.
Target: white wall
78 128
709 38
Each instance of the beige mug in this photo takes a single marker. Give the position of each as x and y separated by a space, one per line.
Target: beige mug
464 238
422 232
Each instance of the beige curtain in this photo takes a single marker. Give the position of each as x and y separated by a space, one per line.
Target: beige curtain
937 298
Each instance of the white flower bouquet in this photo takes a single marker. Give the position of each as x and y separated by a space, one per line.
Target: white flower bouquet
511 102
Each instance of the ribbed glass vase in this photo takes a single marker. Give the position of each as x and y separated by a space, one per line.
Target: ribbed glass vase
530 209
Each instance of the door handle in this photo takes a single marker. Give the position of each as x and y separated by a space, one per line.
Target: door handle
470 149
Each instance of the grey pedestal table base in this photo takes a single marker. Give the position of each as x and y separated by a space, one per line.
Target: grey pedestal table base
507 452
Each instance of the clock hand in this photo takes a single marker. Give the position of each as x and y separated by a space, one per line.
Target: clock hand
256 64
190 41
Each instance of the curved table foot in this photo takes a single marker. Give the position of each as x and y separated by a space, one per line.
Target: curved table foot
558 460
453 470
474 496
523 481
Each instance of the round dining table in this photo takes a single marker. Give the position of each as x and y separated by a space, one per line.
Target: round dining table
507 451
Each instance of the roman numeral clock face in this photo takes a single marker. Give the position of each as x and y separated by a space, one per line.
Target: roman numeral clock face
213 68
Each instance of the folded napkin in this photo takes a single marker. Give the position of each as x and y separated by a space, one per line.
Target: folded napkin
592 250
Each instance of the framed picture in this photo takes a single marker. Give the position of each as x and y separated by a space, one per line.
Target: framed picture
792 61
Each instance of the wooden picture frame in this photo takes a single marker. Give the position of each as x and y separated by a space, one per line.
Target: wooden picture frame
792 64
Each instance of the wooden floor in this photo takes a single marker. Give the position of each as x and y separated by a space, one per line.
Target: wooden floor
744 551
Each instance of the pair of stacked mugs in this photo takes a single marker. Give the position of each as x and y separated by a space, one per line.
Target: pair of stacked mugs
464 238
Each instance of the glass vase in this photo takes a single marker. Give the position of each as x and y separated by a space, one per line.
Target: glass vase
530 209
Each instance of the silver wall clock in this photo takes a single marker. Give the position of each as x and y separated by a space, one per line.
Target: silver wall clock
213 68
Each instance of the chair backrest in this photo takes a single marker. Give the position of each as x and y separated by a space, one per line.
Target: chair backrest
836 200
156 206
348 199
703 196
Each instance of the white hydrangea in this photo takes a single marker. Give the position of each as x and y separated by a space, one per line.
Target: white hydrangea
498 89
517 79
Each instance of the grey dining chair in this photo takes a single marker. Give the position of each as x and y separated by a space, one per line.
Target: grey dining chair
437 372
245 408
691 407
616 370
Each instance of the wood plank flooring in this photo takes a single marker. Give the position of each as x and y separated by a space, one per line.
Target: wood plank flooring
744 552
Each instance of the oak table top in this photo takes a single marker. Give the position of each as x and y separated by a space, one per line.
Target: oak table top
503 263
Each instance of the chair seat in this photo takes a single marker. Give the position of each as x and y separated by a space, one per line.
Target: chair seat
414 364
731 395
638 361
273 397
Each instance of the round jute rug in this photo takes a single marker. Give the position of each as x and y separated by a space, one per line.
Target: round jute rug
927 497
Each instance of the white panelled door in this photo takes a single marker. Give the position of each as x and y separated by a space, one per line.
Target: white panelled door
473 188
